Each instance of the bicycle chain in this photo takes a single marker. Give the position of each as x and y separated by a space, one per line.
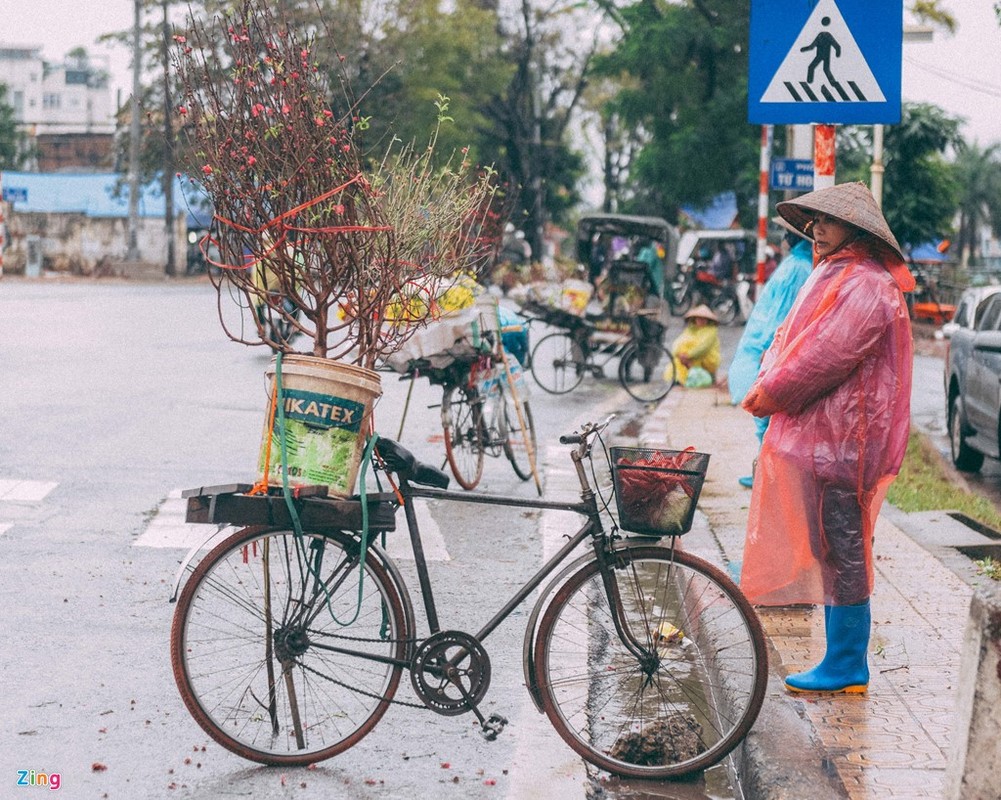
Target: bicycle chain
360 691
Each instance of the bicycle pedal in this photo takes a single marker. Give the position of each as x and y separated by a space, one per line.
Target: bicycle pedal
491 727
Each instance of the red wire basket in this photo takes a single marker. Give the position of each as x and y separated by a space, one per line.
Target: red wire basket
656 491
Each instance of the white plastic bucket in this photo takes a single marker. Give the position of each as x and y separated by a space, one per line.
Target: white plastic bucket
328 412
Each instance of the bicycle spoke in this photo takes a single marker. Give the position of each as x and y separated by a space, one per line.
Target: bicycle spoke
243 652
693 691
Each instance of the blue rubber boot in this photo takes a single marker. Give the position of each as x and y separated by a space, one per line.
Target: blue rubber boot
844 668
747 481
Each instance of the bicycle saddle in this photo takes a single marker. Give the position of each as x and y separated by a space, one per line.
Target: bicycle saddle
401 461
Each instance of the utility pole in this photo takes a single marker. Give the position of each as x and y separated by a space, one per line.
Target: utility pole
134 133
912 33
538 234
168 146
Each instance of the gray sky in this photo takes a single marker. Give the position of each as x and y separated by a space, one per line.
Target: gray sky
961 72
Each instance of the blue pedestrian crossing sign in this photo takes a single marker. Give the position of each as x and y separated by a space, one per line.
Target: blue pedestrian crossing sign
825 61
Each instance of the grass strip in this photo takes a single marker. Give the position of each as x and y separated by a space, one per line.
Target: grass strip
924 485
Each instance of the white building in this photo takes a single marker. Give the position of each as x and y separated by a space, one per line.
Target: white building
48 98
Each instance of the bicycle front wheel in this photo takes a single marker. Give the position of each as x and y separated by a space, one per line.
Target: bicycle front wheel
279 654
519 436
687 695
558 363
462 423
646 371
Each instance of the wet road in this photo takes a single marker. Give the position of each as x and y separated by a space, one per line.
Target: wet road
118 395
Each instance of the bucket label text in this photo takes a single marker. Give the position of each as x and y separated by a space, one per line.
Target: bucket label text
323 411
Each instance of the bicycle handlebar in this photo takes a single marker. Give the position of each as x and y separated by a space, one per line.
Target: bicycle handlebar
587 430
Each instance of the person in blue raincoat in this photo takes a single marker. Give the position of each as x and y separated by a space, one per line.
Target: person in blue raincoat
652 254
771 309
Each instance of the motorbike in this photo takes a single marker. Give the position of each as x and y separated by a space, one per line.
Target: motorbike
278 325
728 299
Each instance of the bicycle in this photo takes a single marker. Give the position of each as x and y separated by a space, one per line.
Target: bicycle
483 415
484 411
561 360
290 638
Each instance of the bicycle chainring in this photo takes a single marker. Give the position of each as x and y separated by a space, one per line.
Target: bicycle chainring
450 672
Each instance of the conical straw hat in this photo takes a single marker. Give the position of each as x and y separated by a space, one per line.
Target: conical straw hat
786 226
702 311
849 202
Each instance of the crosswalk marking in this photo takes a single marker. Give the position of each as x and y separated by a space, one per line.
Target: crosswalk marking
25 491
169 529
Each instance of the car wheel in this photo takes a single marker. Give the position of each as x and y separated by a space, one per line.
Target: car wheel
965 458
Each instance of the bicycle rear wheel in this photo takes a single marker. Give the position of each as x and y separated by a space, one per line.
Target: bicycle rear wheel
261 662
692 695
462 423
646 371
558 363
519 435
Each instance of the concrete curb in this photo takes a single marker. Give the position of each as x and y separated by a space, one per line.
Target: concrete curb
894 743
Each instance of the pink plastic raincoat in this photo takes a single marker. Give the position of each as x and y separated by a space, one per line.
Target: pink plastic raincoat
839 369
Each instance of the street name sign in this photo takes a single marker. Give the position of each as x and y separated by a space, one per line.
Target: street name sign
791 174
825 61
15 194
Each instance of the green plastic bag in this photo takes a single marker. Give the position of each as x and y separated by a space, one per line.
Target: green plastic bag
698 378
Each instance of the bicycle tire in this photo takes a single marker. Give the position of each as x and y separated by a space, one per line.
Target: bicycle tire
518 438
462 424
558 363
646 371
240 617
710 666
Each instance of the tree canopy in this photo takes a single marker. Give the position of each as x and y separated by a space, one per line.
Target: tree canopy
12 140
682 68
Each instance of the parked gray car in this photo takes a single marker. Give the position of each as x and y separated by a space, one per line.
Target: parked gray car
973 387
966 308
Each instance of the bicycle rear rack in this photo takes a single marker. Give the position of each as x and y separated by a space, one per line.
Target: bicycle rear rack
230 504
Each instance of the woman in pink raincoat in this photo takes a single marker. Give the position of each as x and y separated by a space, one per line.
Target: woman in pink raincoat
836 382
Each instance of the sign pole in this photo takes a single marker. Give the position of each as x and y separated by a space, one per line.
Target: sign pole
767 136
877 164
823 156
3 228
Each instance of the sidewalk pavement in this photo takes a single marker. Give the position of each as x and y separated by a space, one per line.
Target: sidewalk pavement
893 742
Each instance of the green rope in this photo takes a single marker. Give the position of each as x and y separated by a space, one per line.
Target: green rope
294 514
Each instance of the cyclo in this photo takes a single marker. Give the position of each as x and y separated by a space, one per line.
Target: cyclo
617 315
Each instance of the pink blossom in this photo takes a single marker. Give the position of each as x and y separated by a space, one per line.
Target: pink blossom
207 169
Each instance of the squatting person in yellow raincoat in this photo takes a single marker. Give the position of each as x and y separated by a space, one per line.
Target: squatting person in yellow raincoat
837 383
697 345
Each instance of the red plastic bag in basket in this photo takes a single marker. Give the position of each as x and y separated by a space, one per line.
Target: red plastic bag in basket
647 496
